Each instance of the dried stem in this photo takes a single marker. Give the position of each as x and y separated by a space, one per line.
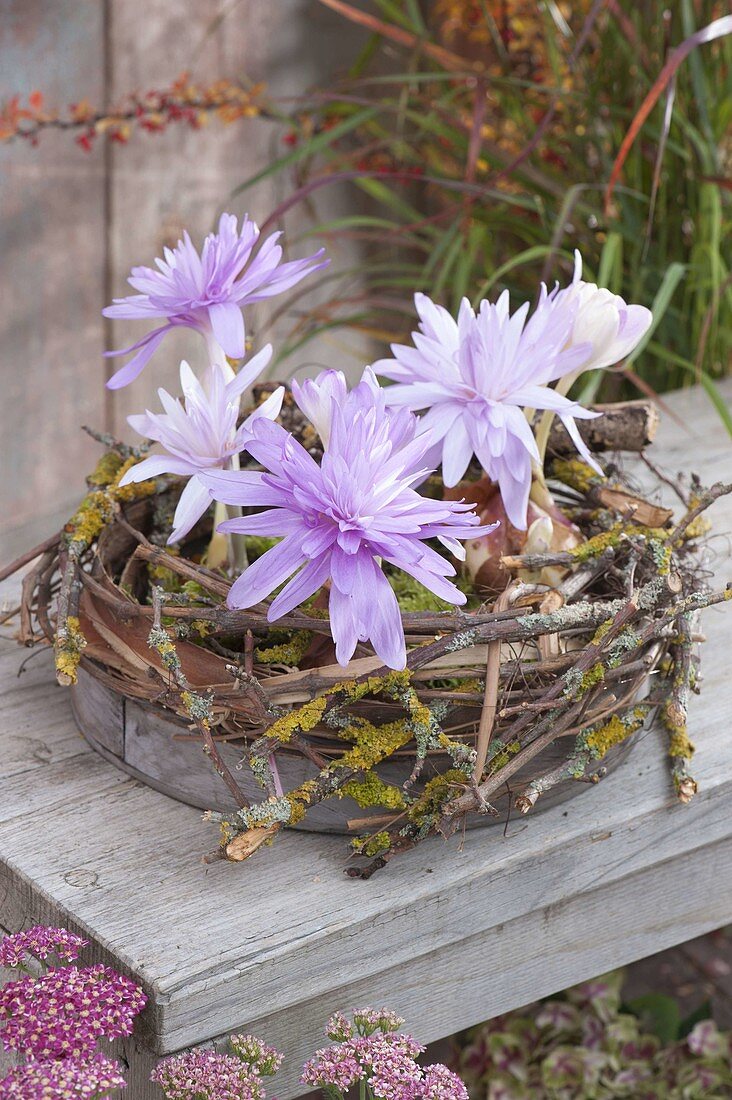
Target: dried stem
197 706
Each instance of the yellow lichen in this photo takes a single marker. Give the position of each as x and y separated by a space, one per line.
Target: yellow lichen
106 470
592 677
289 652
436 793
601 631
98 507
680 745
69 649
598 544
372 744
373 791
600 740
302 720
502 757
576 474
374 845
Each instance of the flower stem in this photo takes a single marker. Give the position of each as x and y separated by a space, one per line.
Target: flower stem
238 543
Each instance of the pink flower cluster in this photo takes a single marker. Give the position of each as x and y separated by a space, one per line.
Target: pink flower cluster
66 1011
71 1079
40 942
207 1075
260 1057
369 1050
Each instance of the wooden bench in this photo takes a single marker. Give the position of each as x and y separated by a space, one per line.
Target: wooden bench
450 934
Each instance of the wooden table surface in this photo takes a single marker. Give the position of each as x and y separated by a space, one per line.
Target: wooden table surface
448 935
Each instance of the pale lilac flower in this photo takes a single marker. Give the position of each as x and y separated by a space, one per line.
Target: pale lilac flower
600 318
71 1079
315 398
206 1075
206 292
66 1011
39 942
200 434
337 519
476 375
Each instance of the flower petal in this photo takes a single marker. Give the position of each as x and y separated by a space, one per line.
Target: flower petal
266 574
227 322
129 372
310 578
194 502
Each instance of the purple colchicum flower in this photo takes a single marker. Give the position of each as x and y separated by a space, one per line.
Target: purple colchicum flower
200 434
72 1079
206 292
39 942
337 519
475 375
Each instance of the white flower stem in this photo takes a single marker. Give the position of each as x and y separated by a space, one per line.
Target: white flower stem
236 550
562 387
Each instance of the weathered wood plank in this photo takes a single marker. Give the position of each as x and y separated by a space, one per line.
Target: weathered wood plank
52 241
450 934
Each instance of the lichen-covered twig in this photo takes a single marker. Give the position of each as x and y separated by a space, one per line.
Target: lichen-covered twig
674 710
699 505
124 450
591 745
197 706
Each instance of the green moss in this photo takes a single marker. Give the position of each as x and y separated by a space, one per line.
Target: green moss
592 677
413 596
257 545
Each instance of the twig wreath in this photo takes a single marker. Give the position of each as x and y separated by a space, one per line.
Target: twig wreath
320 611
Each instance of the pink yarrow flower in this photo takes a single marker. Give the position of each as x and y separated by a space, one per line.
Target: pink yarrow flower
39 942
92 1078
206 292
385 1061
201 433
340 519
206 1075
66 1011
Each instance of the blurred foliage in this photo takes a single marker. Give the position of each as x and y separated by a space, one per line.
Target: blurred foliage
586 1044
482 135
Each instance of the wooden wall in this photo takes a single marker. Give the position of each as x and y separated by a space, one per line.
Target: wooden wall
72 223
